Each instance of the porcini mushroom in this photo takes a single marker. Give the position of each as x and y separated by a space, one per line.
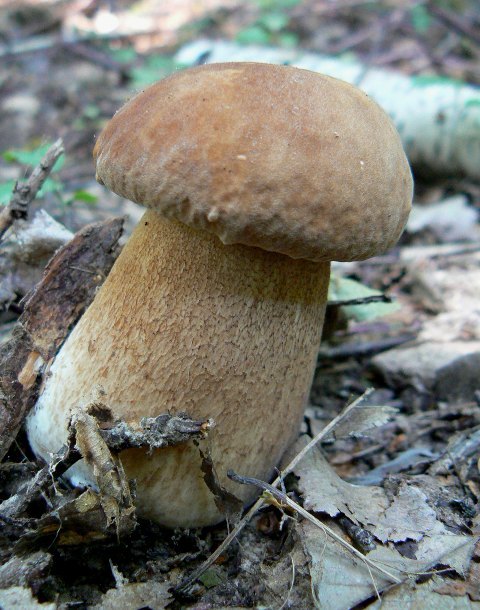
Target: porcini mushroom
256 177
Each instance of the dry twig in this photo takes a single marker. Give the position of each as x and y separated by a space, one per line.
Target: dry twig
363 349
285 500
25 193
373 298
454 22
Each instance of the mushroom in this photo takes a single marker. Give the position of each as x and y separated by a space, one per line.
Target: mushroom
256 176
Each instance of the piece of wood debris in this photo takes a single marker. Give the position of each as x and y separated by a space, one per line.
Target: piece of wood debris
68 286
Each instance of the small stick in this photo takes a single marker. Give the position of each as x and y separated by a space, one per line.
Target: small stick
39 44
367 348
260 503
67 456
97 57
373 298
25 193
285 500
454 22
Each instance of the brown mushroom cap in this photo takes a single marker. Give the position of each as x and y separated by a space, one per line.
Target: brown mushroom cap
276 157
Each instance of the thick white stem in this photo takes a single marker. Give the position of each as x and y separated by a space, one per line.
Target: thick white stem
184 323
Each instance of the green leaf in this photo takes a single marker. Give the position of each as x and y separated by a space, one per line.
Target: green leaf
254 34
162 62
6 189
420 18
472 103
274 21
85 196
426 80
345 289
267 5
124 55
50 186
211 578
288 39
153 69
31 157
143 77
91 111
197 26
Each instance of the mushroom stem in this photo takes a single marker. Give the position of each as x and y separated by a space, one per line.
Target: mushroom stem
185 323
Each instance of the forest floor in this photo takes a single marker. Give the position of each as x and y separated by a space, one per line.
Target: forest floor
414 509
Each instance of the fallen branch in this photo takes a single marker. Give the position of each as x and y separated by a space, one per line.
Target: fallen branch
97 57
38 44
436 252
24 570
25 193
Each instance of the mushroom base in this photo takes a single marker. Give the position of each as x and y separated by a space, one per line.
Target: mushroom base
184 323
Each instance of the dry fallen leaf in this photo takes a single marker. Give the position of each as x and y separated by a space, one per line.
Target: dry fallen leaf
324 491
341 580
470 586
362 419
412 596
406 516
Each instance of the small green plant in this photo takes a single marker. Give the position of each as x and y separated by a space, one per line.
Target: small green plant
90 115
152 69
345 289
420 18
144 70
67 200
212 578
271 26
6 189
29 158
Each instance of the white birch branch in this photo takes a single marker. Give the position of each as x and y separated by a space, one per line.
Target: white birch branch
438 118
